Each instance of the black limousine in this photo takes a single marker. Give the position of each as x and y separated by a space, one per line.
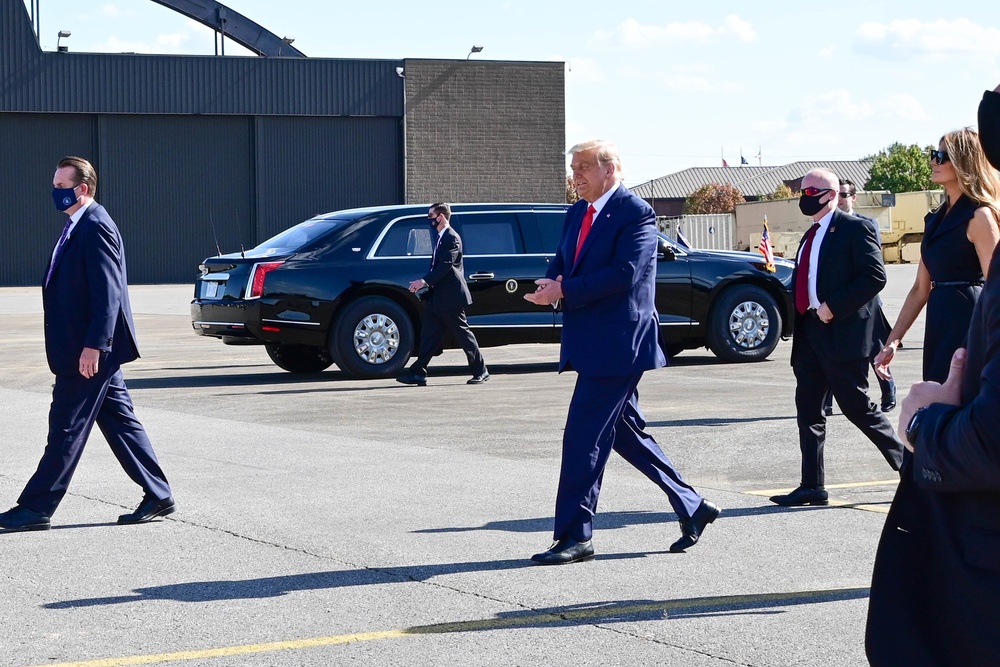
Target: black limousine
333 289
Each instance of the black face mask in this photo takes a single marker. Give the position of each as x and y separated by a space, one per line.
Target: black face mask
433 222
810 205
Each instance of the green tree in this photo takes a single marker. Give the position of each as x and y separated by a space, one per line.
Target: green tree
900 168
780 192
571 195
713 198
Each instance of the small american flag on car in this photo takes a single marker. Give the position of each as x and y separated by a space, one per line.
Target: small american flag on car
765 248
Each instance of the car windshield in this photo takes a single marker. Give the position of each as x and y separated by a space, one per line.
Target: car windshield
296 237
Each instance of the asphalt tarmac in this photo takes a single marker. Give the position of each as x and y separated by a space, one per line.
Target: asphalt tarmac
330 521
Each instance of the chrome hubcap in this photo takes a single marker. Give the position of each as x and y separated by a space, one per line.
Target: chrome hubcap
748 324
376 338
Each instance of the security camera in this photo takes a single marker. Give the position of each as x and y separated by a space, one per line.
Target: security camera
399 72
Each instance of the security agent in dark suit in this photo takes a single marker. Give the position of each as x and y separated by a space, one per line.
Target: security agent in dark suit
837 278
88 336
604 276
846 198
446 295
937 569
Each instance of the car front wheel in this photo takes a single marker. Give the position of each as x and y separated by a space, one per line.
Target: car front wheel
299 358
745 324
373 338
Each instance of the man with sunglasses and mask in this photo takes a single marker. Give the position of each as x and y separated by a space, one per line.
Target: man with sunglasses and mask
447 295
838 275
845 202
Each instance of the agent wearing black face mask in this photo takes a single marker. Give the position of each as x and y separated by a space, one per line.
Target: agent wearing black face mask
838 275
88 336
447 296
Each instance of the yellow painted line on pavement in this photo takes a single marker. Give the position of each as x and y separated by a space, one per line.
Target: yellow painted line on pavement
513 621
852 485
866 507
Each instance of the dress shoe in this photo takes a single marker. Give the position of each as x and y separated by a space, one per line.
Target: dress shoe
18 519
150 508
889 406
828 412
411 378
804 495
692 528
479 379
565 551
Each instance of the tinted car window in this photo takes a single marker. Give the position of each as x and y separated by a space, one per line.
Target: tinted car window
488 233
542 230
407 238
296 237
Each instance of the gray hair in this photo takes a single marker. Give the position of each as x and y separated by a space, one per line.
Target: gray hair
607 152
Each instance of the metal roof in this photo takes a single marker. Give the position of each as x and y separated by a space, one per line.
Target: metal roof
751 181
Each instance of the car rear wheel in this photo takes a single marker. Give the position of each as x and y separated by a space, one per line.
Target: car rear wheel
299 358
373 338
745 324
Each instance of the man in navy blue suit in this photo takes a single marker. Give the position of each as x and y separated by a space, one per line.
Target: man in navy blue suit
88 336
604 276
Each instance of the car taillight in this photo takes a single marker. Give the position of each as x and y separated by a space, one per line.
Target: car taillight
257 275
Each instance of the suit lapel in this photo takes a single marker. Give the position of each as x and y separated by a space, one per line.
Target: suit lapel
601 225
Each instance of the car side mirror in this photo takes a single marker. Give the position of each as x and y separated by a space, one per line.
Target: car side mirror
664 251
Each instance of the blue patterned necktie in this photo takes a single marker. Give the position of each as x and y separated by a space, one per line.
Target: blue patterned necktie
58 250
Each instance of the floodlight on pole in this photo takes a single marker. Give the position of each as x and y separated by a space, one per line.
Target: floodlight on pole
59 46
475 49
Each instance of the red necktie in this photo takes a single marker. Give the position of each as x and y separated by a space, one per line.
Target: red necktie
588 220
802 274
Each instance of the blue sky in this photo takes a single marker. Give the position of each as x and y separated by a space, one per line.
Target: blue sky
675 84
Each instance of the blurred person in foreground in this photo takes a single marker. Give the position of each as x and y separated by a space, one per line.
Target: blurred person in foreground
937 570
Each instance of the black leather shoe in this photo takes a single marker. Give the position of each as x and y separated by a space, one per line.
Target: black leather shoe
804 495
18 519
410 378
149 509
479 379
692 528
889 403
828 412
565 551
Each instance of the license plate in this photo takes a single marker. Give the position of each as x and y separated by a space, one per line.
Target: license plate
211 289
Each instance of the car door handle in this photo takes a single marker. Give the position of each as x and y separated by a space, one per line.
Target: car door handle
481 276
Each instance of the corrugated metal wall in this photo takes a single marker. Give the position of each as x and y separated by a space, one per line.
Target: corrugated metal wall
166 180
307 166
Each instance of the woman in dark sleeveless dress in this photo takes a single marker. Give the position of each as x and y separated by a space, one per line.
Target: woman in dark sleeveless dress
959 239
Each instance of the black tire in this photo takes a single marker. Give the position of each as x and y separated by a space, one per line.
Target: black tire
373 338
299 358
745 324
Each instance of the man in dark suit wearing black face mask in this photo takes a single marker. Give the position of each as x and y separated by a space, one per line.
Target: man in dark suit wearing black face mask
447 296
838 276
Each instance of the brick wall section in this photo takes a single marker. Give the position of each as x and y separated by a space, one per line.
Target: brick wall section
485 131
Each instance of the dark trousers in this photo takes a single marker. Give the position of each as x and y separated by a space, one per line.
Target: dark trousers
436 327
603 415
77 403
815 372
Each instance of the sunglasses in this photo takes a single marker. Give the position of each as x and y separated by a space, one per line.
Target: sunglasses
813 192
938 157
845 195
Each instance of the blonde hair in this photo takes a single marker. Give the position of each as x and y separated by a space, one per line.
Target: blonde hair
977 179
607 153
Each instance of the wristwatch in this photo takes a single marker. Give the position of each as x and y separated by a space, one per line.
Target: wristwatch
914 426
